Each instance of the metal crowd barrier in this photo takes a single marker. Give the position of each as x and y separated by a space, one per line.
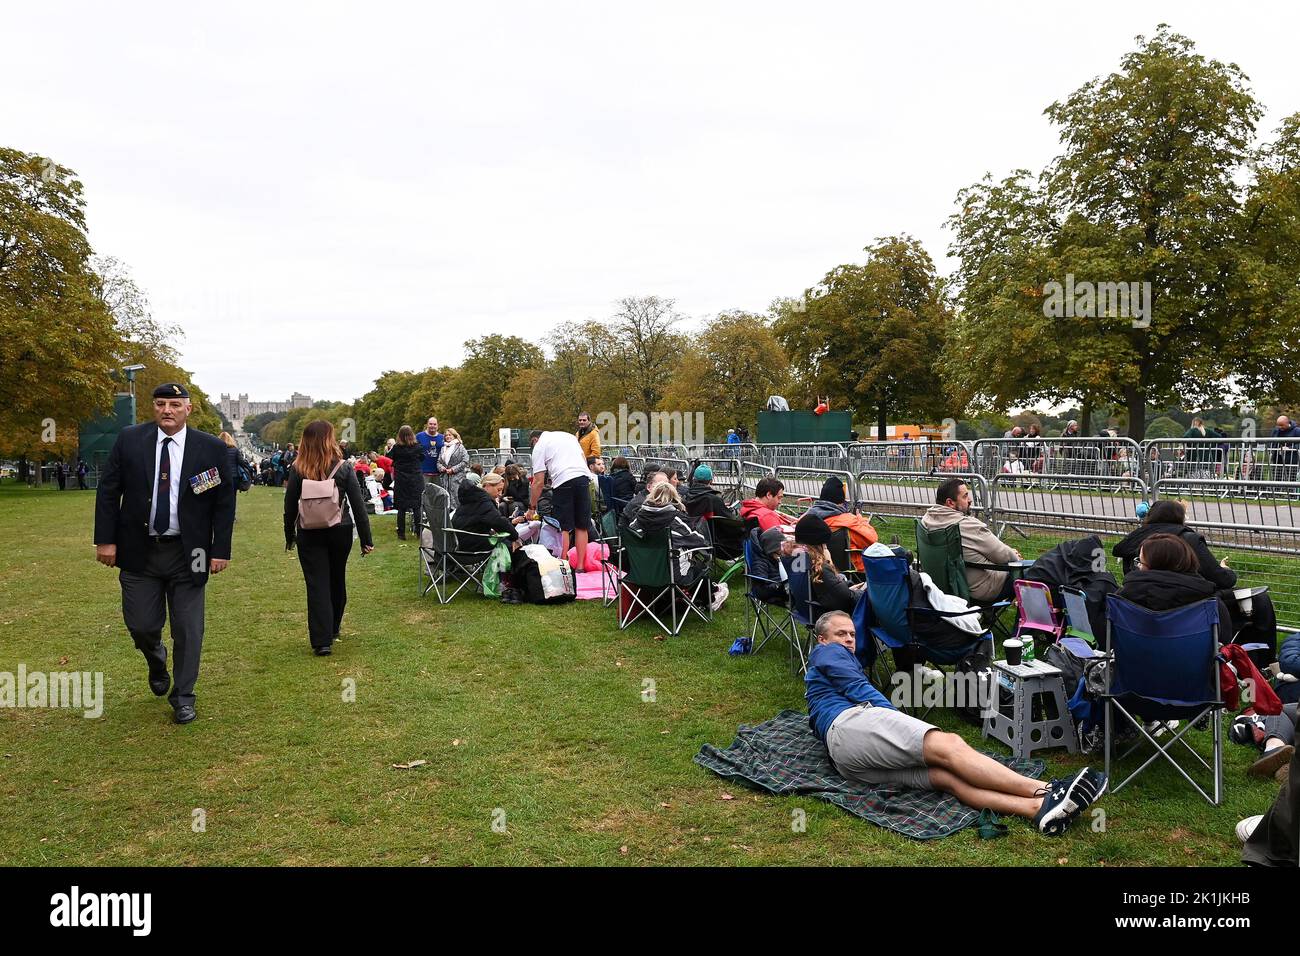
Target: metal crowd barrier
922 457
803 485
1066 505
1251 460
828 455
881 496
751 473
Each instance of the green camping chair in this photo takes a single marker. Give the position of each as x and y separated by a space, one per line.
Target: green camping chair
940 555
651 583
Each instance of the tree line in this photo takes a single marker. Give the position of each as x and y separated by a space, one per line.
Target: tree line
1162 186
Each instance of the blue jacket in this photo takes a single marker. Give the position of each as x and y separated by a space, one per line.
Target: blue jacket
1288 656
835 682
432 449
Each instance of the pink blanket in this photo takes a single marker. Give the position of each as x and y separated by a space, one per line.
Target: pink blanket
588 583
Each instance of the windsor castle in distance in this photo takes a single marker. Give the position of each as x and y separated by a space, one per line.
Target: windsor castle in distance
238 409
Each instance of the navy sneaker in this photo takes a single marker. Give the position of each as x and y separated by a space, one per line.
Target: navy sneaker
1067 797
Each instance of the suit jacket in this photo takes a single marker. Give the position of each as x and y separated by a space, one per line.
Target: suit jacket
125 497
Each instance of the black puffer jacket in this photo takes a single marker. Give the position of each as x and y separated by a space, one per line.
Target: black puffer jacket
477 512
651 518
408 483
624 485
701 499
1166 590
1209 567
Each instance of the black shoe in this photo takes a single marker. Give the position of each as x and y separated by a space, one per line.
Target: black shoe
184 714
322 651
160 683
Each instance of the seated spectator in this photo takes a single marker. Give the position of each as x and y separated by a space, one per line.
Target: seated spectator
381 482
633 506
1271 839
662 509
978 542
620 473
870 741
767 548
516 484
701 500
830 589
832 509
645 476
386 463
762 508
674 478
1170 517
476 511
361 466
1165 578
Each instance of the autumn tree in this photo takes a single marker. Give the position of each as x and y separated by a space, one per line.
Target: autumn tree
869 335
1158 185
728 370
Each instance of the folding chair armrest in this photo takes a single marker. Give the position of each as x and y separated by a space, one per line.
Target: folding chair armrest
937 613
989 567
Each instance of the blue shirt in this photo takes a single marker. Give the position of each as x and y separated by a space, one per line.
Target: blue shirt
733 439
432 446
835 682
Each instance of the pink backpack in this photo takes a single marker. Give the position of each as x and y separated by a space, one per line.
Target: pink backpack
319 503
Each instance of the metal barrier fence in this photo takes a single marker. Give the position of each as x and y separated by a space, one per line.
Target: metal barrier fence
1079 458
653 452
881 496
751 473
1067 505
1231 459
829 455
922 457
737 450
803 486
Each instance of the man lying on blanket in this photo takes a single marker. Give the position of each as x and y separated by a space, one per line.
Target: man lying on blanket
870 741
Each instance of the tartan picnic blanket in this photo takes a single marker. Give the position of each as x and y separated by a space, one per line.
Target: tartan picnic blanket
784 756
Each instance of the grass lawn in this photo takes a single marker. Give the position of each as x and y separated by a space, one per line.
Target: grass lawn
535 711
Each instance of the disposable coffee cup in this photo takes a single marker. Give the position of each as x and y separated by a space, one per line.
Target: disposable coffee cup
1013 648
1245 599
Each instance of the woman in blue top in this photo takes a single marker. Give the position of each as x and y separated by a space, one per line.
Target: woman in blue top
870 741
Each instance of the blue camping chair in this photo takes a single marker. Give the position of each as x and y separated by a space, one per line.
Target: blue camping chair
766 615
803 608
1165 666
890 618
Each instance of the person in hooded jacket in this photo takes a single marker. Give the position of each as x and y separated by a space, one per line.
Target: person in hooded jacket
832 508
477 512
712 515
762 508
1166 578
830 589
663 510
1170 517
623 484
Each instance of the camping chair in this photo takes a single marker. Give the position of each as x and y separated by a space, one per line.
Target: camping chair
609 568
1039 620
891 618
431 531
651 575
460 564
842 554
1164 666
804 609
1078 624
772 618
940 555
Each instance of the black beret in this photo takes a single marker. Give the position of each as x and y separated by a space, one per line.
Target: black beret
171 390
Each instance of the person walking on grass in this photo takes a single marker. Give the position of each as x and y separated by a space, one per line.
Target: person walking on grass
164 512
322 505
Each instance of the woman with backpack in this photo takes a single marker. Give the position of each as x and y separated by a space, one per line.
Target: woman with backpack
322 502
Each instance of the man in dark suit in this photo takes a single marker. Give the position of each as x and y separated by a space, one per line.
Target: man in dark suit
164 512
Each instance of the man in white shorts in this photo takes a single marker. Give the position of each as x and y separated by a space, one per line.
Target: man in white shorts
869 740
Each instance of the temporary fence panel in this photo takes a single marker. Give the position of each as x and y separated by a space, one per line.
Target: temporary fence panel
829 455
1231 459
1255 525
922 457
803 486
751 473
1078 458
1067 505
746 451
653 452
882 496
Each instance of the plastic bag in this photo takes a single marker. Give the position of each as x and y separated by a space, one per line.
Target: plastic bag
497 562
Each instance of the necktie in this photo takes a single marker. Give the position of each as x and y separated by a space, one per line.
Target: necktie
163 494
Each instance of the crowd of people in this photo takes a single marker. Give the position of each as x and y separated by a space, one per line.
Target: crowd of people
564 497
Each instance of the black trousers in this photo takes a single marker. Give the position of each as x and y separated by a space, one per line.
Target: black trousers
164 590
323 554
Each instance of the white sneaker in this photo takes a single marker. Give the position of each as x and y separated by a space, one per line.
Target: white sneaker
720 592
1247 826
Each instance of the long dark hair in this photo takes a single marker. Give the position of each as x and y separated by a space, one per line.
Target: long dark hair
406 435
1168 552
1167 511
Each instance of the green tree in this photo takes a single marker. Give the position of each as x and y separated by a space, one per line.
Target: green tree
384 409
729 369
1151 188
870 335
58 342
471 400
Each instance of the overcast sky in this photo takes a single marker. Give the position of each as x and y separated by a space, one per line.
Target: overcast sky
319 194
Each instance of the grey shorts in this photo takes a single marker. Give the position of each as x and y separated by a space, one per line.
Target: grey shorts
880 746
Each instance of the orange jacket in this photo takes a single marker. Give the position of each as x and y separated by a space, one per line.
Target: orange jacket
861 534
